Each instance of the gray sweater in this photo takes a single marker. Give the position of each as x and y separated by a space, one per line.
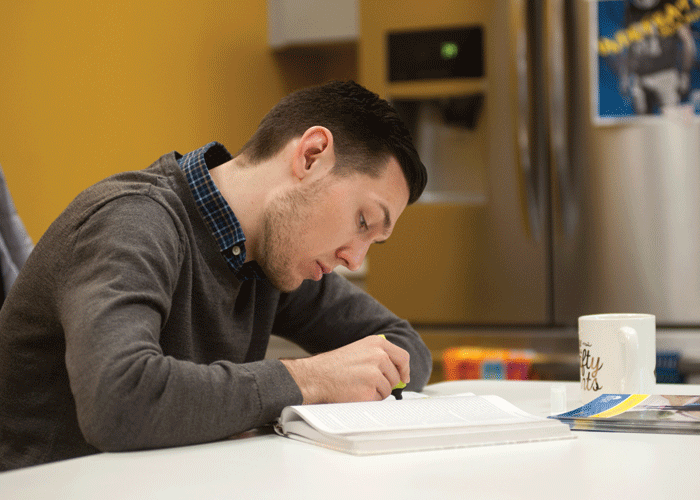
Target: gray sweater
127 330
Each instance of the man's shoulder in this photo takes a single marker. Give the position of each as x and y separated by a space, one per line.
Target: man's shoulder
161 182
163 175
147 197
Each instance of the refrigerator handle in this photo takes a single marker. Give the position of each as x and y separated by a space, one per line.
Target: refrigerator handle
522 126
555 68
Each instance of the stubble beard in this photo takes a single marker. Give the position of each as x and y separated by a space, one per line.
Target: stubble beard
284 224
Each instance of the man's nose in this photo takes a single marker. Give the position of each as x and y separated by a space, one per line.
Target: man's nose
354 254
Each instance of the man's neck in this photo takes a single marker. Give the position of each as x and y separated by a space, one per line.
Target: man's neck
246 188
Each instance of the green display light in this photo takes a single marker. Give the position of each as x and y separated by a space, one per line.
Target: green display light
449 50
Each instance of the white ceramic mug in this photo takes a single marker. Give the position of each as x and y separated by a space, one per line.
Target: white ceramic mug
617 354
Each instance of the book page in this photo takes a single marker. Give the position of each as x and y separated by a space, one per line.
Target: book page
454 411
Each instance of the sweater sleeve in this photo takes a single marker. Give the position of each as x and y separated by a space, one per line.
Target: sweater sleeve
119 282
328 314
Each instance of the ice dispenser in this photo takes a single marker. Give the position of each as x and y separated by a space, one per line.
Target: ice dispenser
445 126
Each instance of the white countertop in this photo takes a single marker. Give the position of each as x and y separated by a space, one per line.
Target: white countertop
261 465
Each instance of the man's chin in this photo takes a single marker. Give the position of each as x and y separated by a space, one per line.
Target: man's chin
285 285
287 289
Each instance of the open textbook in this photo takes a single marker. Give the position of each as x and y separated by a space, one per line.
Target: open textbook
413 424
637 413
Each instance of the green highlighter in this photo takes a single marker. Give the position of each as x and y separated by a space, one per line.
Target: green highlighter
398 388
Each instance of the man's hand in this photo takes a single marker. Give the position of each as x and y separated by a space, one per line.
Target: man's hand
365 370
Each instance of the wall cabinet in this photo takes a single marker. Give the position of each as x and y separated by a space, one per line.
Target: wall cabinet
294 23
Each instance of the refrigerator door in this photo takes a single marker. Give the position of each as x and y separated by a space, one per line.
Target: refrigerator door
635 243
477 260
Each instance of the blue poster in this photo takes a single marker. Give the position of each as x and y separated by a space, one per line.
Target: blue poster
647 54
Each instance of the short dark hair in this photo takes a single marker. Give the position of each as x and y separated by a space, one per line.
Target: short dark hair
366 130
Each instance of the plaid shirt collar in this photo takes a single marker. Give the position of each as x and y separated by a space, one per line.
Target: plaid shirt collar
217 214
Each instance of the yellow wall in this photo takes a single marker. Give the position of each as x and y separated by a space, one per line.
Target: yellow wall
89 88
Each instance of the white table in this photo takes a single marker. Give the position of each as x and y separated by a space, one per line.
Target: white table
262 465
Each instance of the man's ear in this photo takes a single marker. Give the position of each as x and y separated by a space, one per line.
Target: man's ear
314 155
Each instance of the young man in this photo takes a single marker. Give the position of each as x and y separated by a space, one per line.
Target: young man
142 318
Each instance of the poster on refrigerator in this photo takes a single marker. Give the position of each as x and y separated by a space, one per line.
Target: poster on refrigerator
646 61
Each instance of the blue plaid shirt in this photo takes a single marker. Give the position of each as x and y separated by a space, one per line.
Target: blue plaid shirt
217 214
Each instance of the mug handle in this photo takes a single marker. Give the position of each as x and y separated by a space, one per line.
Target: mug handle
628 337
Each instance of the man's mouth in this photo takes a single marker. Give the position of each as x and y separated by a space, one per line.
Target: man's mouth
321 271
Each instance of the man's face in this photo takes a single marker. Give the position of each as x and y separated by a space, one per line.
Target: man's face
329 222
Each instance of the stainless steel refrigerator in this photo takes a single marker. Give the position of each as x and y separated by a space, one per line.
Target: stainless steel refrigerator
542 210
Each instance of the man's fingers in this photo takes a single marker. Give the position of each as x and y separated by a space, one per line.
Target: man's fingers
384 388
362 371
390 374
400 359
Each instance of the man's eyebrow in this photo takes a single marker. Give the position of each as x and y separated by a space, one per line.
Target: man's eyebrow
387 217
